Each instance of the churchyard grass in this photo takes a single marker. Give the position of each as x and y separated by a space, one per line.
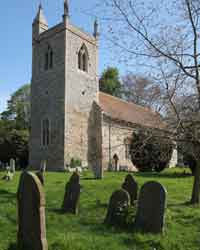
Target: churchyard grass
86 231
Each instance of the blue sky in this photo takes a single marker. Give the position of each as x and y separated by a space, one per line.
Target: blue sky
16 31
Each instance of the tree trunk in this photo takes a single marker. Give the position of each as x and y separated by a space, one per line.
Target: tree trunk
196 186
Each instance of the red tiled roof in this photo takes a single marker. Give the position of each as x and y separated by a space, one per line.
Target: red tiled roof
129 112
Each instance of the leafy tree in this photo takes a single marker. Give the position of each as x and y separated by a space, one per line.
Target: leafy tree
5 128
13 143
109 82
163 38
14 125
18 108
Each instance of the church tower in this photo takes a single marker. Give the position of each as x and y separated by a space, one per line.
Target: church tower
63 88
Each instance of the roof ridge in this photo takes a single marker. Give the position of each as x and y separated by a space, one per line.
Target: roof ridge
130 112
130 103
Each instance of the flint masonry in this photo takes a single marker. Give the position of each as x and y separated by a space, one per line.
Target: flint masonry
69 116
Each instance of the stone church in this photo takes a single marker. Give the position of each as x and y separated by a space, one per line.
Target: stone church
70 117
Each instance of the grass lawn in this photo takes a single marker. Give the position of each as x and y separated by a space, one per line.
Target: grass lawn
86 231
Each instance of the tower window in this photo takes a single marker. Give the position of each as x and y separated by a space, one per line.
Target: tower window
45 132
48 58
51 60
83 58
46 61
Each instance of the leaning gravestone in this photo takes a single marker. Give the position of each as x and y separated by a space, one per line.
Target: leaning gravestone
131 186
40 173
31 213
72 194
117 208
43 166
151 208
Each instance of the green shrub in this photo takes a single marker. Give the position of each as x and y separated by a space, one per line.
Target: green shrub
75 162
150 151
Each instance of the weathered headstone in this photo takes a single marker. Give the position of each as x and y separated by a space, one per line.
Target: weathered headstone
117 208
43 166
72 194
12 165
40 176
31 213
151 208
40 173
131 186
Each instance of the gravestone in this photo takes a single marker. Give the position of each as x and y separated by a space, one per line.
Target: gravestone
40 174
151 208
131 186
43 166
117 208
12 165
72 194
31 213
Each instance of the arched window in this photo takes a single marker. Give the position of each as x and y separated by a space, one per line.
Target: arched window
48 58
83 58
45 132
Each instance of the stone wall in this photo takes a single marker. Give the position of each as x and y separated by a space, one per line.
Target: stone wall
68 97
48 99
63 94
95 141
81 91
114 135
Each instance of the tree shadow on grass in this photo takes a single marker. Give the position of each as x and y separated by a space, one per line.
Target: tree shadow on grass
13 246
6 194
100 226
8 197
137 244
163 175
96 227
59 182
88 178
99 204
182 204
55 210
190 219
